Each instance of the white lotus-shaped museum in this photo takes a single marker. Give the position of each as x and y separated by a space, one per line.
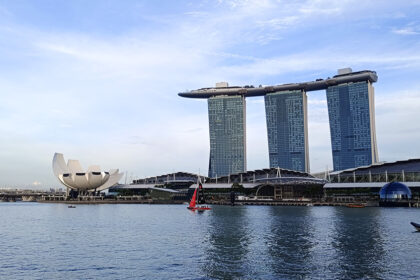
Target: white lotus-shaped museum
72 175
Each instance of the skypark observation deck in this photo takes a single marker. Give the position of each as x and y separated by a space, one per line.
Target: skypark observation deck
251 91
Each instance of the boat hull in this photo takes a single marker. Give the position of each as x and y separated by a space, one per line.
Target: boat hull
356 205
200 208
415 225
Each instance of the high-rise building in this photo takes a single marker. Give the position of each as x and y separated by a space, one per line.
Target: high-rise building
351 114
287 129
227 135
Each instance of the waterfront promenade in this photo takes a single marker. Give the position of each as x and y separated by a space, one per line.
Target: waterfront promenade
60 197
238 202
11 195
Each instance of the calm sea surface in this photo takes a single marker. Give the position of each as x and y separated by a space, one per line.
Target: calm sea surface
51 241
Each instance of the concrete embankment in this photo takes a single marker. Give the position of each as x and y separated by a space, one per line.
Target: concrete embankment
142 200
288 203
111 201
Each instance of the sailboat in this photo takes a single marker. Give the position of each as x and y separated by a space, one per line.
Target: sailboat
194 201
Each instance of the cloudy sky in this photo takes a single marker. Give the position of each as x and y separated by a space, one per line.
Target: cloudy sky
98 80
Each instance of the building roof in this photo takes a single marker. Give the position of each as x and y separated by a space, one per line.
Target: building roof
409 165
176 177
259 174
142 187
366 185
224 186
265 181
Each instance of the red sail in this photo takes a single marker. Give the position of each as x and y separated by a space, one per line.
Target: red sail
193 199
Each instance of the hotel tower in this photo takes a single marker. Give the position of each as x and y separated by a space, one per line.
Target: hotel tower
351 111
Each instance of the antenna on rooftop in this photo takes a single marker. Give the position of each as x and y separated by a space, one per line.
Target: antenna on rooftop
278 172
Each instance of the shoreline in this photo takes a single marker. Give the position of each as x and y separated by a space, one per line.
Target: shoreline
81 202
237 203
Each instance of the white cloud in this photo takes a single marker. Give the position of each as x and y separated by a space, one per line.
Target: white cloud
278 23
323 7
324 60
406 31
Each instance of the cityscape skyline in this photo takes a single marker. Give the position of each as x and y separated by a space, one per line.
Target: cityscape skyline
83 79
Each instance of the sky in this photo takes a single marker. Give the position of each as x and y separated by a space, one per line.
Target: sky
98 80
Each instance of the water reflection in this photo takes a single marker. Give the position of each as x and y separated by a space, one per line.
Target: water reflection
289 242
49 241
358 243
228 240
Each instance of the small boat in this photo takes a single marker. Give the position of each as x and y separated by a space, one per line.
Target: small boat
71 206
194 206
416 225
355 205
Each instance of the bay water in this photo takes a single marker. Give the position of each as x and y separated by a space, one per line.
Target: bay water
117 241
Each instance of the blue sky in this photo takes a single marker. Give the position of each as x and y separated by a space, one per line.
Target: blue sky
98 80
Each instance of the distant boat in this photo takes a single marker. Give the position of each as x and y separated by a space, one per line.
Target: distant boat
71 206
194 206
416 225
355 205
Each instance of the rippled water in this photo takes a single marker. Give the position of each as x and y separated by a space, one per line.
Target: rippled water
51 241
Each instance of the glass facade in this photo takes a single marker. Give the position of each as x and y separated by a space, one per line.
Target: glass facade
286 113
352 125
394 191
227 135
